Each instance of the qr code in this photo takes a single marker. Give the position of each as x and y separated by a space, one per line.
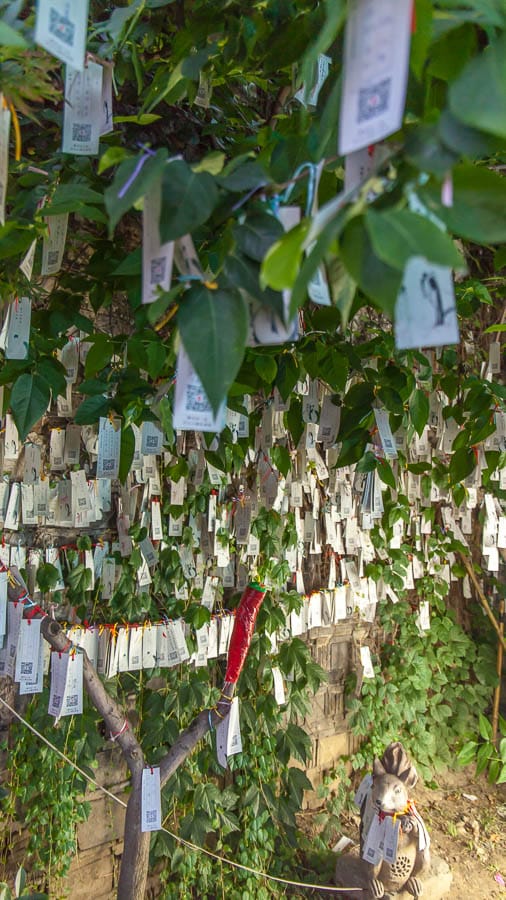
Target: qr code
158 269
151 441
81 502
373 101
151 816
81 132
56 701
52 257
26 668
72 701
108 465
196 400
61 26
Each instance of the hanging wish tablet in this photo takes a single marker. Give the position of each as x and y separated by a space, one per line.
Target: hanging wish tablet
425 312
192 410
5 124
61 27
82 112
157 258
376 57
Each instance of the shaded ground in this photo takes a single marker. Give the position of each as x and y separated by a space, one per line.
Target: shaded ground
470 834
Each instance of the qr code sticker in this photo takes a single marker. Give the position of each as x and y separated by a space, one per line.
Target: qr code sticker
81 132
151 441
196 400
26 668
72 701
62 27
158 269
56 700
373 101
151 816
108 465
81 502
52 257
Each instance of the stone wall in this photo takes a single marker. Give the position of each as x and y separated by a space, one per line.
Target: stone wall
94 870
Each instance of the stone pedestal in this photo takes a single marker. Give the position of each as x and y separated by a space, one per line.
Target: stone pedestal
350 872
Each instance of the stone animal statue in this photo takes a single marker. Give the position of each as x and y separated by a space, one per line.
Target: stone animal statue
393 839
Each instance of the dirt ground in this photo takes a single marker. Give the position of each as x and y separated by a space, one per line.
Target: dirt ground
470 834
466 819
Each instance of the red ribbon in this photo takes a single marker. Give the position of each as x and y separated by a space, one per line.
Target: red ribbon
244 627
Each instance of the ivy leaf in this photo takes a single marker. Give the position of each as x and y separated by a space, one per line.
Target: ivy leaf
214 329
419 410
30 398
188 199
131 182
397 235
478 96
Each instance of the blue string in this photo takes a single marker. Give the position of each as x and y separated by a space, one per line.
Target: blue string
311 185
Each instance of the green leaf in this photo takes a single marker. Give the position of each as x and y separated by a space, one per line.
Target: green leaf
52 371
133 178
113 156
91 409
157 356
386 473
483 757
245 177
397 235
464 140
501 778
214 329
478 96
30 397
282 261
462 464
467 754
9 37
188 199
380 282
267 368
20 880
479 200
99 355
70 197
485 728
281 459
126 453
257 233
419 409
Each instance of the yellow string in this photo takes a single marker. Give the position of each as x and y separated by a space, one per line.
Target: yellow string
17 132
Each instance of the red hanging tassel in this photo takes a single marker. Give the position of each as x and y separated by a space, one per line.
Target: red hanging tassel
244 627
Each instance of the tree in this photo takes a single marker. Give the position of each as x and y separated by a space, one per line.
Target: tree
214 125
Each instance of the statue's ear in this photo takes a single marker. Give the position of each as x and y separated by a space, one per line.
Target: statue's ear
409 777
378 769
